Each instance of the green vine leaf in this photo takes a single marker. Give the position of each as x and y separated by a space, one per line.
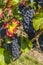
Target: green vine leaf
26 45
37 23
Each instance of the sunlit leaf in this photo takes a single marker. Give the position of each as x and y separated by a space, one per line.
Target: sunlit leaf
37 23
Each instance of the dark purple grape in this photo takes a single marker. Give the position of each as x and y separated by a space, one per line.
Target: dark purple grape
22 8
27 21
2 32
41 41
14 47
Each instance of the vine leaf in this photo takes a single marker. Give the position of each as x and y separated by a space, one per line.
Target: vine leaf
37 23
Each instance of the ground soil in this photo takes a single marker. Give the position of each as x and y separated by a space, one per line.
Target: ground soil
37 55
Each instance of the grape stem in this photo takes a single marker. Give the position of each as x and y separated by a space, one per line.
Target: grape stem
37 36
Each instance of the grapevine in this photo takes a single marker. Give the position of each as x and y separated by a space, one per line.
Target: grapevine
18 27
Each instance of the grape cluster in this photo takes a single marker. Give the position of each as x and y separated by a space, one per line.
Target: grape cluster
41 41
27 20
14 47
